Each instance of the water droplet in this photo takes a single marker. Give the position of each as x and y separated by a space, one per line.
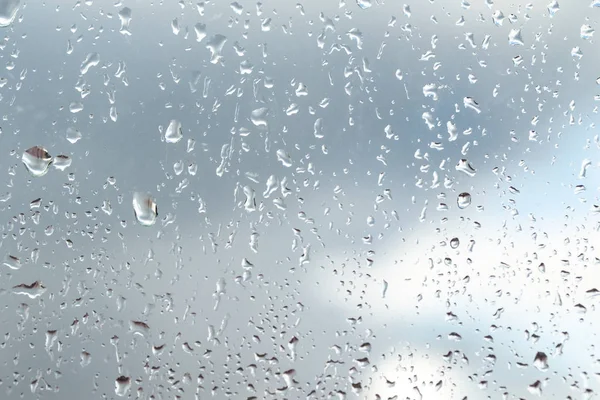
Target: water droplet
553 8
122 385
541 361
37 161
34 290
284 158
464 200
259 116
364 4
62 162
125 17
139 328
73 135
454 242
90 61
86 359
144 209
8 11
515 37
12 262
215 46
174 132
466 167
469 102
587 32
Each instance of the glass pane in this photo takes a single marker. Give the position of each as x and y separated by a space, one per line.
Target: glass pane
319 200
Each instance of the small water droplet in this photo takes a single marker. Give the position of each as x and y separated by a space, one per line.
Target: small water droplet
37 160
464 200
144 209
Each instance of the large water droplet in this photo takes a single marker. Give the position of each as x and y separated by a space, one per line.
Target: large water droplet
125 17
34 290
37 160
144 209
174 132
8 11
73 135
515 38
541 361
62 162
122 385
464 200
90 61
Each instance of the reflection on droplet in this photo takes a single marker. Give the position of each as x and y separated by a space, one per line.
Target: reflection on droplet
174 132
62 162
8 11
122 385
144 209
464 200
37 160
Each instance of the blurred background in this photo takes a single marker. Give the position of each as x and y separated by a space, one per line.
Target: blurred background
329 199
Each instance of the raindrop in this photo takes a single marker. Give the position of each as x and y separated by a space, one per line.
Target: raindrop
144 209
37 160
62 162
73 135
284 158
122 385
8 11
12 262
541 361
90 61
174 132
364 4
34 290
515 38
454 242
466 167
125 17
259 116
464 200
